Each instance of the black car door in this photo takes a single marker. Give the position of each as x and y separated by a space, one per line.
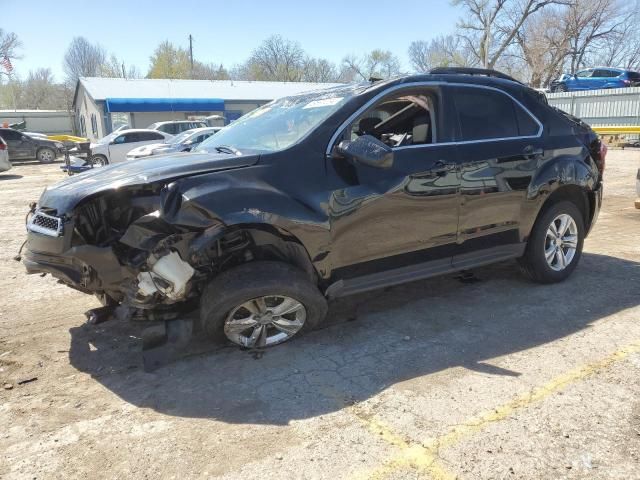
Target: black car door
499 149
385 218
19 145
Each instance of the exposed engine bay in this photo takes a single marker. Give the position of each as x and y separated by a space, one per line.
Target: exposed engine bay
122 248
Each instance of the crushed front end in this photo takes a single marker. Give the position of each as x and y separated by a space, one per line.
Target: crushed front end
117 247
127 235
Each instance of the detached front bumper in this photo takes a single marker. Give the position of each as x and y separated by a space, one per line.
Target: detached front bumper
46 247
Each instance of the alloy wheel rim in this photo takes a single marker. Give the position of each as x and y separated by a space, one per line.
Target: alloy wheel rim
265 321
561 242
97 162
46 156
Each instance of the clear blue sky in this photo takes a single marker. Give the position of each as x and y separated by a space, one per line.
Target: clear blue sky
223 31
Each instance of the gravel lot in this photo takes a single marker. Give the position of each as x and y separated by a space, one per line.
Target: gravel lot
443 379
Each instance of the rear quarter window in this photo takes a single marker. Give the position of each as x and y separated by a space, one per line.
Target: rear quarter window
485 114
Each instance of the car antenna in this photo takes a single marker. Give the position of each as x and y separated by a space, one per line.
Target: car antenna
375 79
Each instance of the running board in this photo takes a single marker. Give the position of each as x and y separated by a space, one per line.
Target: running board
433 268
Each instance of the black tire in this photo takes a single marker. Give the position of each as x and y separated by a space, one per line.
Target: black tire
253 280
534 263
561 88
99 160
46 155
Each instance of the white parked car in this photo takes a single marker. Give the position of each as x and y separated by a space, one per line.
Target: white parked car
114 147
5 164
175 127
183 142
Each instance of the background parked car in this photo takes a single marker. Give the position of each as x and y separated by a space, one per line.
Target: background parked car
114 147
182 142
174 127
596 78
5 164
22 146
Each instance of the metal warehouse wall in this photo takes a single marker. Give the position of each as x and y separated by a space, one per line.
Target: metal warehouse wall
599 108
40 121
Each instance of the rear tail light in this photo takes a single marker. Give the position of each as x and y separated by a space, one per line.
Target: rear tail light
3 146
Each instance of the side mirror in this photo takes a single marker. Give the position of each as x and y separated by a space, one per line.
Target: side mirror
367 150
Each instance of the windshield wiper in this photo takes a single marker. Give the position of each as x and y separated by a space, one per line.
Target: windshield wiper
227 149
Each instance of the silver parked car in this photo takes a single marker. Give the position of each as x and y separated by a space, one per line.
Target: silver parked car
5 164
183 142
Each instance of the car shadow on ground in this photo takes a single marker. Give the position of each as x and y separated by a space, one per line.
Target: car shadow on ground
34 161
373 341
9 176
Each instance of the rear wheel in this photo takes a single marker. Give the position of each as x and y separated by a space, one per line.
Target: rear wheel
46 155
260 304
555 245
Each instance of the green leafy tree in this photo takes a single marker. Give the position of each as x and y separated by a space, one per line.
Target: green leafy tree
169 61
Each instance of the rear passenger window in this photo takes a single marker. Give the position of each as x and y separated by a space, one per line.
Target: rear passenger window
486 114
146 136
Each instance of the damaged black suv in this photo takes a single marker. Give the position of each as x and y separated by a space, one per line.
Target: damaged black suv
328 194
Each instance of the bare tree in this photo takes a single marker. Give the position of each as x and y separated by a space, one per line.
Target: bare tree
83 59
209 71
116 68
319 70
490 27
276 59
620 49
376 64
592 24
9 46
442 51
41 92
543 46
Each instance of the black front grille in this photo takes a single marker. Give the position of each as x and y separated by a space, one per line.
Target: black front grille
46 222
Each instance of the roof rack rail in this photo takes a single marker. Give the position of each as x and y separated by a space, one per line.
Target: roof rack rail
472 71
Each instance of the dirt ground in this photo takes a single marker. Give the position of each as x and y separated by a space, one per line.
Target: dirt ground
442 379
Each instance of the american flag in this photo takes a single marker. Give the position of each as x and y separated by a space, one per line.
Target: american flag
6 63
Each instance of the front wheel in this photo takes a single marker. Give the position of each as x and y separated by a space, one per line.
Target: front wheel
260 304
99 161
555 245
561 88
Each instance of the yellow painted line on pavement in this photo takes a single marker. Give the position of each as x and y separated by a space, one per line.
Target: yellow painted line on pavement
413 455
424 456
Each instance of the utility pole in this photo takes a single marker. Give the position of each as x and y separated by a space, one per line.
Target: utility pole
124 73
191 53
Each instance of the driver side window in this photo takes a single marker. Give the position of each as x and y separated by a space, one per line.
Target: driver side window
401 119
584 74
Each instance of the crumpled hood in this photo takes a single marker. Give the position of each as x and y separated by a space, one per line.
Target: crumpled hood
65 195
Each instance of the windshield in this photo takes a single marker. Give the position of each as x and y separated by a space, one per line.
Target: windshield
279 124
109 137
181 137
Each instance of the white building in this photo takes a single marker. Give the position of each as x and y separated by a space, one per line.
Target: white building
103 104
